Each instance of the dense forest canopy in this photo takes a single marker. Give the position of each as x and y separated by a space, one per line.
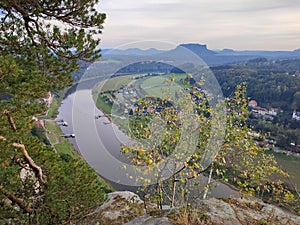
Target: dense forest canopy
270 83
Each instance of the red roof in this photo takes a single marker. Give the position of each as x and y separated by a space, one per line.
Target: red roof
252 103
39 123
259 108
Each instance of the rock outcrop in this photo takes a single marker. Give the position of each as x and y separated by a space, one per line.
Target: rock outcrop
122 207
149 220
245 212
127 208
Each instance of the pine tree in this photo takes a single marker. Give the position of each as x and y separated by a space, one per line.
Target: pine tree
41 42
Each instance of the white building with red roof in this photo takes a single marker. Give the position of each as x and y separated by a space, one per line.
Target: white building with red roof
273 111
296 115
259 110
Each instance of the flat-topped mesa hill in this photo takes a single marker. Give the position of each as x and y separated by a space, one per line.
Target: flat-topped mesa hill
198 49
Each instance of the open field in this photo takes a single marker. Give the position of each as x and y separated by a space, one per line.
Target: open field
113 84
156 86
116 83
150 85
101 104
291 165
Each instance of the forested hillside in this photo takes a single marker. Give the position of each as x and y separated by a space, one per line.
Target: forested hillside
274 83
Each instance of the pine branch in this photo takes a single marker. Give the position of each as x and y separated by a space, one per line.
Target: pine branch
16 200
10 120
24 151
2 138
30 161
19 161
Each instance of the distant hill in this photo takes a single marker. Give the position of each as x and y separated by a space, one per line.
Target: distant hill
210 57
132 51
198 49
183 56
268 54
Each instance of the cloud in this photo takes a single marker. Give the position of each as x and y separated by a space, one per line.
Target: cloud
243 24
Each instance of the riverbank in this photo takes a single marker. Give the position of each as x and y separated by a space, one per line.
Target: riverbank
56 137
53 131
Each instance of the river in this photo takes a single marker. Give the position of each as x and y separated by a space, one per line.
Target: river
99 141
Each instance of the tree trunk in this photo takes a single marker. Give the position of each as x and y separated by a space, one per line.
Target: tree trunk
30 161
173 191
207 185
16 200
10 120
159 195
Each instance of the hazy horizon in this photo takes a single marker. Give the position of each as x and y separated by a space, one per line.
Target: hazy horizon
123 47
231 24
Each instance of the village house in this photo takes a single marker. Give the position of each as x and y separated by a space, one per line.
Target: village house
252 103
259 110
273 111
38 122
267 113
296 115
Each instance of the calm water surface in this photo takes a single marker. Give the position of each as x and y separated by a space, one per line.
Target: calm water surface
99 141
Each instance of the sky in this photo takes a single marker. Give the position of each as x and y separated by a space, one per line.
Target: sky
233 24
